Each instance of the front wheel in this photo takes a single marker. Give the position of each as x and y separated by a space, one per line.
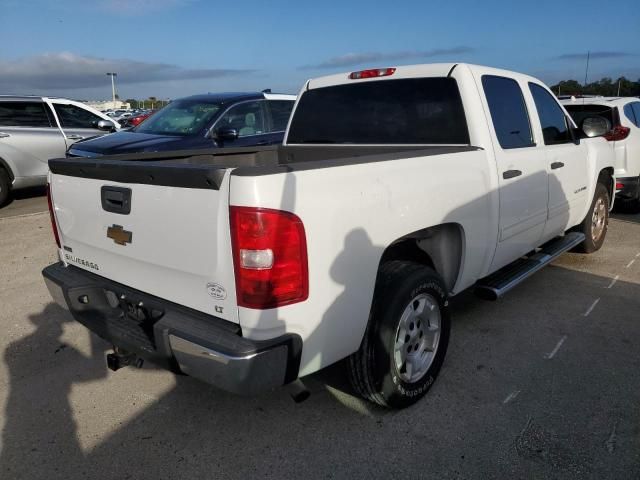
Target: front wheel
596 223
406 340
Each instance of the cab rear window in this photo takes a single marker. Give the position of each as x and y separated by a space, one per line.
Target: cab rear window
404 111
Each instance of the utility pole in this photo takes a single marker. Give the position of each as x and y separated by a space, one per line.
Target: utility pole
619 80
113 87
586 72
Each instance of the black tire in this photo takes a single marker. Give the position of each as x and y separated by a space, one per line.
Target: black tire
5 187
373 371
591 244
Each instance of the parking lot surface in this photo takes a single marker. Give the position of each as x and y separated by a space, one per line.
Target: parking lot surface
544 383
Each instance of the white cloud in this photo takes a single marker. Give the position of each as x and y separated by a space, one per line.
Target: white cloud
68 71
370 57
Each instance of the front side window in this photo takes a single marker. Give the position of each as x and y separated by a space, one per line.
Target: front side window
280 113
71 116
508 111
23 114
189 116
408 111
553 120
247 118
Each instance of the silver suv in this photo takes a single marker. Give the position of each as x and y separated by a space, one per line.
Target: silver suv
35 129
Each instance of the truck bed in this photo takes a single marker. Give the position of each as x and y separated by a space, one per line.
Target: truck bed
205 168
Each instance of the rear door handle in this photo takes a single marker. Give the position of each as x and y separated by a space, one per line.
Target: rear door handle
4 135
75 137
556 165
511 174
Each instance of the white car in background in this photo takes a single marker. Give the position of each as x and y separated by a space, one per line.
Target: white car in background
623 114
35 129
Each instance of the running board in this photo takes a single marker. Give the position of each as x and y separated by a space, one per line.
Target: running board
498 283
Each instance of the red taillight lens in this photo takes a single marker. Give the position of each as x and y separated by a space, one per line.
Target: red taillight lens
619 186
52 214
269 256
376 72
617 133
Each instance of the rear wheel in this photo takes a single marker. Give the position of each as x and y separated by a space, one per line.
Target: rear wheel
5 186
406 339
596 223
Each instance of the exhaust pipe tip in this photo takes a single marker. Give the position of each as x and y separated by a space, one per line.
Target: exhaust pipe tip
298 391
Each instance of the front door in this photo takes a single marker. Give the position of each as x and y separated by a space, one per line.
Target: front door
566 163
76 122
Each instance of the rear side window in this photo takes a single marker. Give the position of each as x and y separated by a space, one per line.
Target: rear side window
581 111
280 113
635 108
71 116
508 111
23 114
405 111
552 118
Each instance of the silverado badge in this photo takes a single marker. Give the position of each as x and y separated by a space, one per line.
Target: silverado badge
119 235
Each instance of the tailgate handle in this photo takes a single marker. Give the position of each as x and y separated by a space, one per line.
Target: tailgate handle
116 199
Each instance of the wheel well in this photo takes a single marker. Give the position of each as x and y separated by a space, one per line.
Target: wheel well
439 247
5 166
605 177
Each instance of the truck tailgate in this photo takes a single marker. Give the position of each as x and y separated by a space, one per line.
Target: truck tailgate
174 243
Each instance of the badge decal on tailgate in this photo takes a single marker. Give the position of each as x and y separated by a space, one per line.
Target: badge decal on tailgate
216 291
119 234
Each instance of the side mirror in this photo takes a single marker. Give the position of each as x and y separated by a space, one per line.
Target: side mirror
225 133
595 126
106 126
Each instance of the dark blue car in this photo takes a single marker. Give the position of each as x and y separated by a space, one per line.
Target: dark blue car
200 121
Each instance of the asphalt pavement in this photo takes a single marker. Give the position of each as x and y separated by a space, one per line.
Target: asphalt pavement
544 383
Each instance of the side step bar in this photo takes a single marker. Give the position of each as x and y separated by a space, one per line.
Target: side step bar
498 283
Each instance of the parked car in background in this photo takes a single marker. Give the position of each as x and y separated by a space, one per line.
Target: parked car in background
35 129
136 119
201 121
623 117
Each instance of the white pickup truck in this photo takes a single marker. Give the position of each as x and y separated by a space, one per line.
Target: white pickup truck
395 189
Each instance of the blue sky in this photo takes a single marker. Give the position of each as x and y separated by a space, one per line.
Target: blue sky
172 48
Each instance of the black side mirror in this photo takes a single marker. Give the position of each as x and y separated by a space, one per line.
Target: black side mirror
226 134
106 126
595 126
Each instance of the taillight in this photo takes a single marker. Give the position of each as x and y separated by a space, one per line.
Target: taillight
617 133
619 186
52 214
269 256
376 72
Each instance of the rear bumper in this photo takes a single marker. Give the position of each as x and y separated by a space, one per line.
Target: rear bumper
630 188
172 336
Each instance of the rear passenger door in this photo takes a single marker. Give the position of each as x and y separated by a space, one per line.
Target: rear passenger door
76 122
29 138
566 163
523 182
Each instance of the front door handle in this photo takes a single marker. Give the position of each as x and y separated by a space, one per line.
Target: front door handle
75 137
556 165
511 174
4 135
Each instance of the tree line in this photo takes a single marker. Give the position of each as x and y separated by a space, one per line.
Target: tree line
606 87
151 102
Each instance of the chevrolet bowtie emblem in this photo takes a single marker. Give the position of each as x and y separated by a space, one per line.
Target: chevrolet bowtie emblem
119 235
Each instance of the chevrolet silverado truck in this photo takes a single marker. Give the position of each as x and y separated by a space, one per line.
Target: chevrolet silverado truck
395 189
